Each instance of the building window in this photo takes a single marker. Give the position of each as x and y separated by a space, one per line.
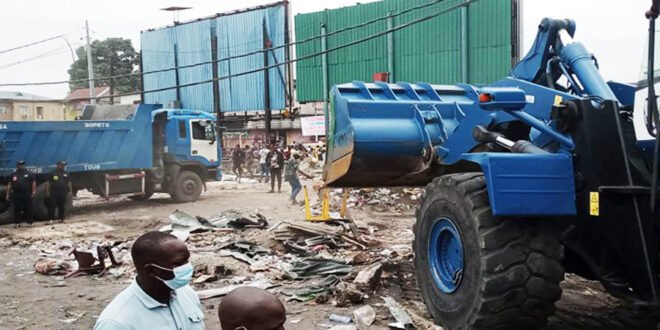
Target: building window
23 110
40 112
4 110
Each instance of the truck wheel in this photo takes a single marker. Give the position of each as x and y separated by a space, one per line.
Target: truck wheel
477 271
187 188
40 204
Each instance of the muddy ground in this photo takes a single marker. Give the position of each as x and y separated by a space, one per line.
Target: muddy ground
29 300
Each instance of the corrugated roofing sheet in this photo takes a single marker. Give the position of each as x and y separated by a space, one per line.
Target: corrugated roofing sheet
237 33
429 51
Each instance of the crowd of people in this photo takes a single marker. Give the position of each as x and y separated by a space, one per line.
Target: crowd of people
273 163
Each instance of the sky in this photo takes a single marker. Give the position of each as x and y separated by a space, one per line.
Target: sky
614 30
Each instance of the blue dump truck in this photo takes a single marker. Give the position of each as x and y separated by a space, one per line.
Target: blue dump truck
150 150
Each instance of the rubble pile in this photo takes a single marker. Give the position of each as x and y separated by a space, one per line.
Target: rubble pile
399 200
335 263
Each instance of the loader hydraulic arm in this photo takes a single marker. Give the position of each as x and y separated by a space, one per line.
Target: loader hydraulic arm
555 54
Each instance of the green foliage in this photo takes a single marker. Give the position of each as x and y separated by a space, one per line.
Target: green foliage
120 53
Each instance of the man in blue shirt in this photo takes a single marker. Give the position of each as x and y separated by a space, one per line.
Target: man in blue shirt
159 297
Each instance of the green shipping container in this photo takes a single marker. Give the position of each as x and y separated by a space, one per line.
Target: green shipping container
476 44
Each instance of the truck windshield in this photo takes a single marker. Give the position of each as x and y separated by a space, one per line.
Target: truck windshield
640 118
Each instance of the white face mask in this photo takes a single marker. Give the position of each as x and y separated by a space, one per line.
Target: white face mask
182 276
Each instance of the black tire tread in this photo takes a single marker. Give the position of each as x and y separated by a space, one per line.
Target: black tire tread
521 262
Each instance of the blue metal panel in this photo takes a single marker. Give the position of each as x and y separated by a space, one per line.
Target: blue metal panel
157 54
624 92
85 144
243 33
528 184
193 42
237 33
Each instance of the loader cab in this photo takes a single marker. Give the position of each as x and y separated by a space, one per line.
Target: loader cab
190 136
643 119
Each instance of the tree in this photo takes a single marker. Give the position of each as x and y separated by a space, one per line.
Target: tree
111 57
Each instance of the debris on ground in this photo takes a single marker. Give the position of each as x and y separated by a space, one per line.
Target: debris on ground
347 294
223 291
312 291
340 318
364 316
379 200
403 320
368 278
183 224
309 267
48 266
343 327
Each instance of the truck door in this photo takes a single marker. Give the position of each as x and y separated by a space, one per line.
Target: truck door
203 141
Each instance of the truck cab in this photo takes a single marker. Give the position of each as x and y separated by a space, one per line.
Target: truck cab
190 138
186 152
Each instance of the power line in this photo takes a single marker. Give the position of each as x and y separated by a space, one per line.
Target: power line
30 44
52 52
363 24
346 45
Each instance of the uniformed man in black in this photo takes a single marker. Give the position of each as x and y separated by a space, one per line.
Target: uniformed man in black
57 190
20 191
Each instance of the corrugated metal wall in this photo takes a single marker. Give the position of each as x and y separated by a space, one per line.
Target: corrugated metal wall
157 54
194 46
241 34
429 51
237 33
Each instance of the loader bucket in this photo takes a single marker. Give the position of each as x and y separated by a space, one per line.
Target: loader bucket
377 135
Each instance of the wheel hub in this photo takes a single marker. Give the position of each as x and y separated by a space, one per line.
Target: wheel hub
445 251
189 186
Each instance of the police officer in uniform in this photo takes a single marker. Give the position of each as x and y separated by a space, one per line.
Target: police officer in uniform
58 188
20 191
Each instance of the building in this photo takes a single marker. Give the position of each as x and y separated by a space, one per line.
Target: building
217 62
476 43
77 99
24 106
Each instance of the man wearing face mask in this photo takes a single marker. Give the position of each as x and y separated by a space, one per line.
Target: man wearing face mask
159 297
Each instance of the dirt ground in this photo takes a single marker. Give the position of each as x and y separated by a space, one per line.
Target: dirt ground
29 300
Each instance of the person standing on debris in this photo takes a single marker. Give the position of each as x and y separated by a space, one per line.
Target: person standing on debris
275 160
238 157
251 309
263 164
20 191
58 188
159 297
291 171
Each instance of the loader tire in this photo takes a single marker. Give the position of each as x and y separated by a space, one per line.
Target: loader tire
187 187
477 271
40 204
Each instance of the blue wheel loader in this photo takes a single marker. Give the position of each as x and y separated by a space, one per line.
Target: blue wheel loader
547 171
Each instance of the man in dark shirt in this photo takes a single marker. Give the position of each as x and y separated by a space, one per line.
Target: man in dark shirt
238 157
58 188
20 191
275 160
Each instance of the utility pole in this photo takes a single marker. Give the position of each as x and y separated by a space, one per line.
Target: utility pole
112 81
90 67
